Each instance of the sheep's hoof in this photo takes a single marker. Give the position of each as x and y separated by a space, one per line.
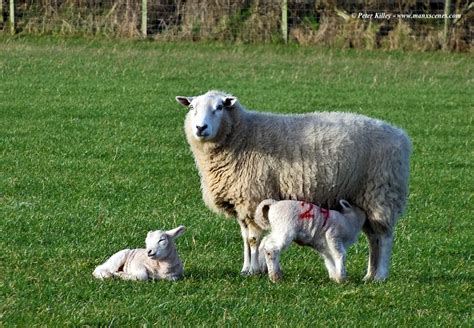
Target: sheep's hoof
368 277
339 280
275 276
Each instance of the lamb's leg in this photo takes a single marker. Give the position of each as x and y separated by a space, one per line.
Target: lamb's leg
138 273
338 254
113 264
273 247
255 236
329 263
245 233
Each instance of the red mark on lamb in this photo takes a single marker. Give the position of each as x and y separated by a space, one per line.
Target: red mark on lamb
308 213
325 214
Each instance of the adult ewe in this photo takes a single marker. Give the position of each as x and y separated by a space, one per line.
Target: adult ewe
244 157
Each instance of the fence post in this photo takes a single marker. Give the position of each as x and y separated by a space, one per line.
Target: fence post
447 5
144 17
284 20
12 16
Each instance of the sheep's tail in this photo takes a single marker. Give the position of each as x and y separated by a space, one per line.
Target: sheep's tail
261 213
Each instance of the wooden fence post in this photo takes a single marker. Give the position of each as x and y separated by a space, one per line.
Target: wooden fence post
12 16
447 5
284 20
144 17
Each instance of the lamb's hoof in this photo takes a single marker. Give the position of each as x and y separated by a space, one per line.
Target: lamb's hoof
101 274
275 276
245 273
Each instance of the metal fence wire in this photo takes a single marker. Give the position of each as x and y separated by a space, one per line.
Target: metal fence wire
370 24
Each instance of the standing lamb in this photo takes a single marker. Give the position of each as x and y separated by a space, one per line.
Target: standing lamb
244 157
328 232
160 259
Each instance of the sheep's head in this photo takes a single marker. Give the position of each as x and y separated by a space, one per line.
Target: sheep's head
159 243
206 112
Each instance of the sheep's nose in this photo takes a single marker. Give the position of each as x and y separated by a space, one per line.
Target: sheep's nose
200 129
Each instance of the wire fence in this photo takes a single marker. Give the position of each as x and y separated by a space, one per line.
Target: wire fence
369 24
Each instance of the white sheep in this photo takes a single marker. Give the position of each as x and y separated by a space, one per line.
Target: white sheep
244 157
329 232
160 259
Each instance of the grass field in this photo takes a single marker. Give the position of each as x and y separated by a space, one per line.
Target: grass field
93 155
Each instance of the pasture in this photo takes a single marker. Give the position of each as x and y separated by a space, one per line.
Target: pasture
93 155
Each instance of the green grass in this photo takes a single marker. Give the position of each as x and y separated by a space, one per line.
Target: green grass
93 155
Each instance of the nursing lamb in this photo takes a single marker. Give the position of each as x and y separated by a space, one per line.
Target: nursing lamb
244 157
329 232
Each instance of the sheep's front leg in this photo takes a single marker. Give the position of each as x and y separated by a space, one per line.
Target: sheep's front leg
255 237
245 236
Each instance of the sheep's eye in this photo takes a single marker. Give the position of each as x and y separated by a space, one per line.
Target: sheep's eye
191 107
162 240
219 107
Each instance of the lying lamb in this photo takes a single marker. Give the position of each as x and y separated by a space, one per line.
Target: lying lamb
328 232
159 260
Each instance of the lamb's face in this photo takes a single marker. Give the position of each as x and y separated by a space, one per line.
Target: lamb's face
159 243
205 113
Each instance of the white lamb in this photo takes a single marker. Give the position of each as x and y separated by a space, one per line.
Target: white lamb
244 157
329 232
160 259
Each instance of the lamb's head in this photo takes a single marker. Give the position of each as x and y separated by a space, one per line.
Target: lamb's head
206 113
352 211
159 244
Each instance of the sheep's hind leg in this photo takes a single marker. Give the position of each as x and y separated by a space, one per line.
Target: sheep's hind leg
380 249
245 233
112 265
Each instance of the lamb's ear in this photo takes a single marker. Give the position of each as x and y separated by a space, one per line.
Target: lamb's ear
345 204
229 102
176 232
185 101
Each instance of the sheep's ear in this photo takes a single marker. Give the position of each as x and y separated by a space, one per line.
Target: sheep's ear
345 204
229 102
149 233
185 101
176 232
